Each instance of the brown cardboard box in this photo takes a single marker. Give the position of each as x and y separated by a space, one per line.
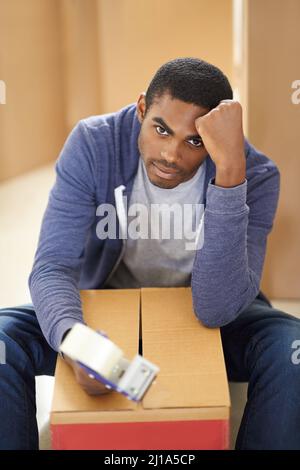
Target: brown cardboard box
187 407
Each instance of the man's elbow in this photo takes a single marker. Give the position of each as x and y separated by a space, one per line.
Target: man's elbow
215 312
212 318
211 321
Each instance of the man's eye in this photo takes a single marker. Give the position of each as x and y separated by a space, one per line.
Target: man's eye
196 142
160 130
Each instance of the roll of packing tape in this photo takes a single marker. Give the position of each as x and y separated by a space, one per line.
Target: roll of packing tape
92 349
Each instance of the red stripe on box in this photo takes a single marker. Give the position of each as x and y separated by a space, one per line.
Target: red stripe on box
192 435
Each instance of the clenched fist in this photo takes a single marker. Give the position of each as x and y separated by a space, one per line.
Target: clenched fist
222 133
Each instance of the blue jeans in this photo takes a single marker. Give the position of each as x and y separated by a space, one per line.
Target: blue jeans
257 349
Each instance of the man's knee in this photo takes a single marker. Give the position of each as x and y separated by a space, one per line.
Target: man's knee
278 346
14 337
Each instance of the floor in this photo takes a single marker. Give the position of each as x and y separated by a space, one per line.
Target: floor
22 204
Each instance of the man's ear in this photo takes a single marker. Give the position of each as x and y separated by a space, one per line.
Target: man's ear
141 107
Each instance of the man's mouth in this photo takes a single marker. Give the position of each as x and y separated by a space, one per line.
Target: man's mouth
163 172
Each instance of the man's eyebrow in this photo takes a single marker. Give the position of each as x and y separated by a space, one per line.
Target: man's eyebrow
160 121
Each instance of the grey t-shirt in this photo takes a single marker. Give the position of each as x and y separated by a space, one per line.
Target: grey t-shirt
162 225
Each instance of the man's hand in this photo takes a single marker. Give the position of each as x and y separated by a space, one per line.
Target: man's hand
89 385
222 133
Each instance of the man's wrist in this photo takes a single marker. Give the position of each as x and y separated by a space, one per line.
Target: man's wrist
228 177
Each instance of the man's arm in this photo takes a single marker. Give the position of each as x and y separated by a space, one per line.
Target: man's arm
238 218
70 212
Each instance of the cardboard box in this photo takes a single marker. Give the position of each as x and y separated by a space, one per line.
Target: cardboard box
187 407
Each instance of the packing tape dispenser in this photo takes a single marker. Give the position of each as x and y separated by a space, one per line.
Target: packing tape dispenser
105 361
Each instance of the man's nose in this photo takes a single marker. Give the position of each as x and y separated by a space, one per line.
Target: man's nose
170 154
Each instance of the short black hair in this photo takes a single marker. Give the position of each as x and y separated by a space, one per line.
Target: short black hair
191 80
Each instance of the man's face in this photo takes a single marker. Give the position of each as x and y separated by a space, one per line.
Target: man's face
169 144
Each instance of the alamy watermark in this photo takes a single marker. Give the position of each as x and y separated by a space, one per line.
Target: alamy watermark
155 222
296 94
2 353
2 92
295 357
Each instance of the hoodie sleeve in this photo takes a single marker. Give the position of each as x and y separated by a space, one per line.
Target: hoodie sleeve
53 281
227 269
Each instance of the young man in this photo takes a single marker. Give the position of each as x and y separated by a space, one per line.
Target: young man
182 143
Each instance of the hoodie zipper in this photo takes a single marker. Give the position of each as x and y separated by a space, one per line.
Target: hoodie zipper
121 210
